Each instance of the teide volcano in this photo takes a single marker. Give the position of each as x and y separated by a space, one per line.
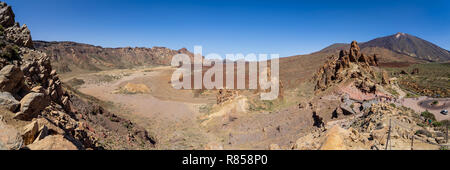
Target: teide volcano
410 45
399 49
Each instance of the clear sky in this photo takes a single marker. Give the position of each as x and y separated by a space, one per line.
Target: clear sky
228 26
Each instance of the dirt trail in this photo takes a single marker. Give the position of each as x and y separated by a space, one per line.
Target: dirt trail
422 104
173 122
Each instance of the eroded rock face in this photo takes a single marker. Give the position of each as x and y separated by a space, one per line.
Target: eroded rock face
354 52
352 64
19 35
6 15
67 56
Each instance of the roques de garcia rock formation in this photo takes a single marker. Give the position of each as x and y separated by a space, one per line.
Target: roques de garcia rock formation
38 112
376 121
349 64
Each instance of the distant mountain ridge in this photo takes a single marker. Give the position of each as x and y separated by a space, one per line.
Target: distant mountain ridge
395 50
69 56
404 45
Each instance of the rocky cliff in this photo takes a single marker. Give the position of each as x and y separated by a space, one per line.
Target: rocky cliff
37 112
71 56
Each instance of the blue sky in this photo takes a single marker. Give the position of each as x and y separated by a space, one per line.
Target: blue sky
284 27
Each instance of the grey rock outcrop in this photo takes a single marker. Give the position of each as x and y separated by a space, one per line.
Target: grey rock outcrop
11 78
8 101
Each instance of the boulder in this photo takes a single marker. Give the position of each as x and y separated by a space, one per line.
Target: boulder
51 127
334 139
11 78
30 132
8 101
31 105
10 138
55 142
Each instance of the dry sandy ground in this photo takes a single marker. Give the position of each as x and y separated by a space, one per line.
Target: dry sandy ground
172 118
421 104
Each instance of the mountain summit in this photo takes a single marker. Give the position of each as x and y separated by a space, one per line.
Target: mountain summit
410 45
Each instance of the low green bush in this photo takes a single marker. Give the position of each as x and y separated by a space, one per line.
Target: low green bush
423 132
428 115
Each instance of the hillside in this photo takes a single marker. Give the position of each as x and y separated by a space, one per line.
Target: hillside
71 56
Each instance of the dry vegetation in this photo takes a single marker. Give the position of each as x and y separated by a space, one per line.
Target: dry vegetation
432 79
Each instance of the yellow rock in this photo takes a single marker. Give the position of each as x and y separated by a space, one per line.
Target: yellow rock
132 88
55 142
334 139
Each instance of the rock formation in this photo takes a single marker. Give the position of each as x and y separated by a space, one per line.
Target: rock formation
31 92
224 95
349 64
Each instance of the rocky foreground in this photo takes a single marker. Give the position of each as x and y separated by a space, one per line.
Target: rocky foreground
38 113
372 119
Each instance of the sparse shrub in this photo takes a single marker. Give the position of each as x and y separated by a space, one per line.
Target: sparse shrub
2 30
437 124
423 132
198 92
10 52
435 102
205 109
445 123
428 115
75 82
393 105
421 125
